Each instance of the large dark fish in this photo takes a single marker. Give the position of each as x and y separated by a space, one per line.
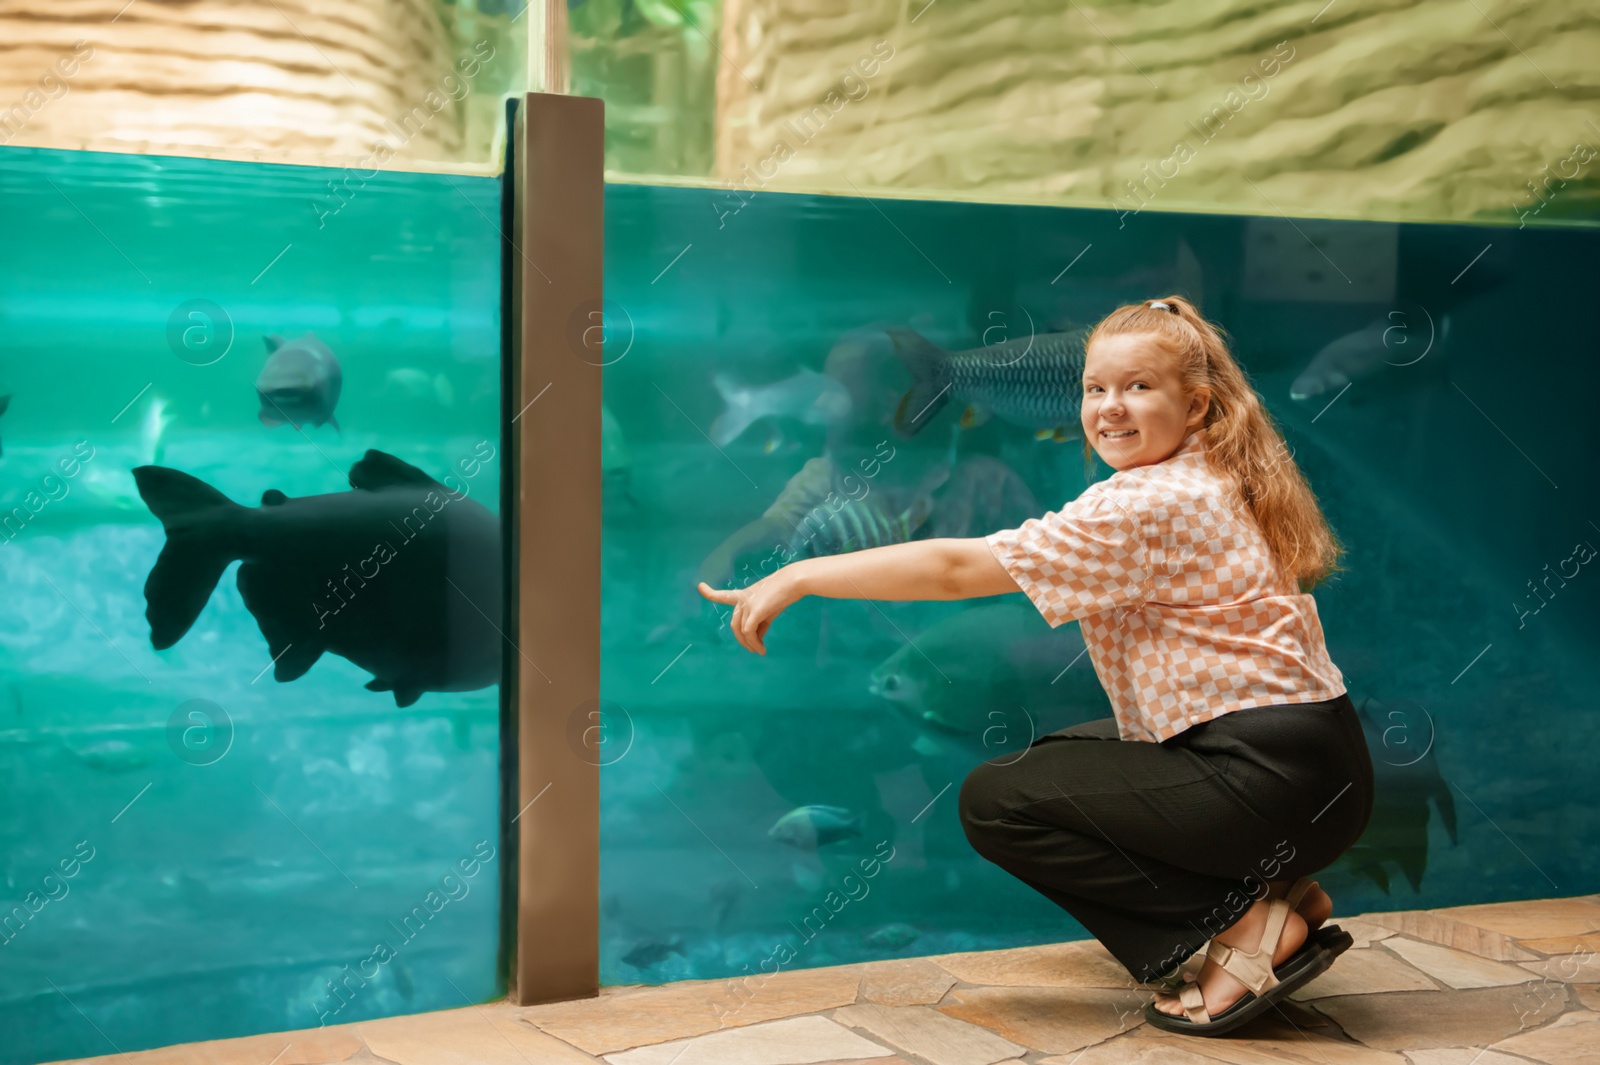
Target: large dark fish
1404 787
300 383
1035 382
401 576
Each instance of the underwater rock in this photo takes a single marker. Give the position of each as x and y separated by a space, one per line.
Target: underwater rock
299 384
401 575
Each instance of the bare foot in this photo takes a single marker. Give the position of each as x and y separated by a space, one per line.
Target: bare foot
1218 988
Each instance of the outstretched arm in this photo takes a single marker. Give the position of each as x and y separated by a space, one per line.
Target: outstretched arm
921 569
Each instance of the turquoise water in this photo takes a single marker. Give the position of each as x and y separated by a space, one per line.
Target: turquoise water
219 894
1453 477
222 870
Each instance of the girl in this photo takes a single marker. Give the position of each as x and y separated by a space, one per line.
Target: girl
1234 762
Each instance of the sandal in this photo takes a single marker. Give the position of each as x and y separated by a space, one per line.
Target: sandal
1264 985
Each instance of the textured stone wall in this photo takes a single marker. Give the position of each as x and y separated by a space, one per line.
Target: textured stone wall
287 81
1360 108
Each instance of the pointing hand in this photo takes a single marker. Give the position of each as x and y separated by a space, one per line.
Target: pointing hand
754 608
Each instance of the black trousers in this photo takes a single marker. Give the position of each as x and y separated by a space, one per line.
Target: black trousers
1157 847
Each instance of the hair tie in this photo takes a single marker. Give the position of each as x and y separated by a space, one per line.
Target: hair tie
1162 305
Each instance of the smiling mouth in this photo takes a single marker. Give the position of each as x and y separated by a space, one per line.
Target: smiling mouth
1118 434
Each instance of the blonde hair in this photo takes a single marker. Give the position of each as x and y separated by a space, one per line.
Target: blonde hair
1242 441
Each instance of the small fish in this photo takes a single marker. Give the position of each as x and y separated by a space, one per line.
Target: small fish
411 383
1035 382
894 936
1358 355
299 384
112 755
810 827
399 575
808 396
403 982
5 401
646 955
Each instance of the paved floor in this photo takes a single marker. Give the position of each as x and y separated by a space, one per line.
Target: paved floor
1474 985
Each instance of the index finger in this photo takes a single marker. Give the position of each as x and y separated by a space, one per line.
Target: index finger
718 595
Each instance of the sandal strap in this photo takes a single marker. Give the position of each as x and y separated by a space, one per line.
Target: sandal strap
1295 893
1194 1004
1253 968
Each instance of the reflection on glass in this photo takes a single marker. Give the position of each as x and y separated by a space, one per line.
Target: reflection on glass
798 809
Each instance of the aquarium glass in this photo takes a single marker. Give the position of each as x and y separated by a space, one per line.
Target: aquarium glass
190 848
1433 383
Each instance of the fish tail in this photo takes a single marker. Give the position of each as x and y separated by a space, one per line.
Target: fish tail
194 556
928 394
737 417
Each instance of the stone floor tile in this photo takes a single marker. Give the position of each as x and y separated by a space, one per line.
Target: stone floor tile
1462 1056
1278 1038
1562 944
1456 968
929 1034
313 1046
1531 919
1364 972
892 1059
493 1034
1077 964
1570 1040
611 1023
1363 931
1448 932
1054 1020
1588 996
904 983
1580 968
1125 1050
1401 1020
792 1041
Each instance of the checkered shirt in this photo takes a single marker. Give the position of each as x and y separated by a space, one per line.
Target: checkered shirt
1185 614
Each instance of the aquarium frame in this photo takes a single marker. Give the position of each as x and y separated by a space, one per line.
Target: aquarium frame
552 423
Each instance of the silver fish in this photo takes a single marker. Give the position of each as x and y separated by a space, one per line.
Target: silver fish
808 396
1358 355
894 936
1035 382
652 953
810 827
299 384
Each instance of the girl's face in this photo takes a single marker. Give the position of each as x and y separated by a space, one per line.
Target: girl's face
1135 412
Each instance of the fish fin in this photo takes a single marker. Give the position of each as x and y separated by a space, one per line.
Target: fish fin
273 498
5 401
193 558
378 469
1414 863
270 601
1446 804
927 395
274 342
404 697
739 412
974 416
1043 434
335 423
